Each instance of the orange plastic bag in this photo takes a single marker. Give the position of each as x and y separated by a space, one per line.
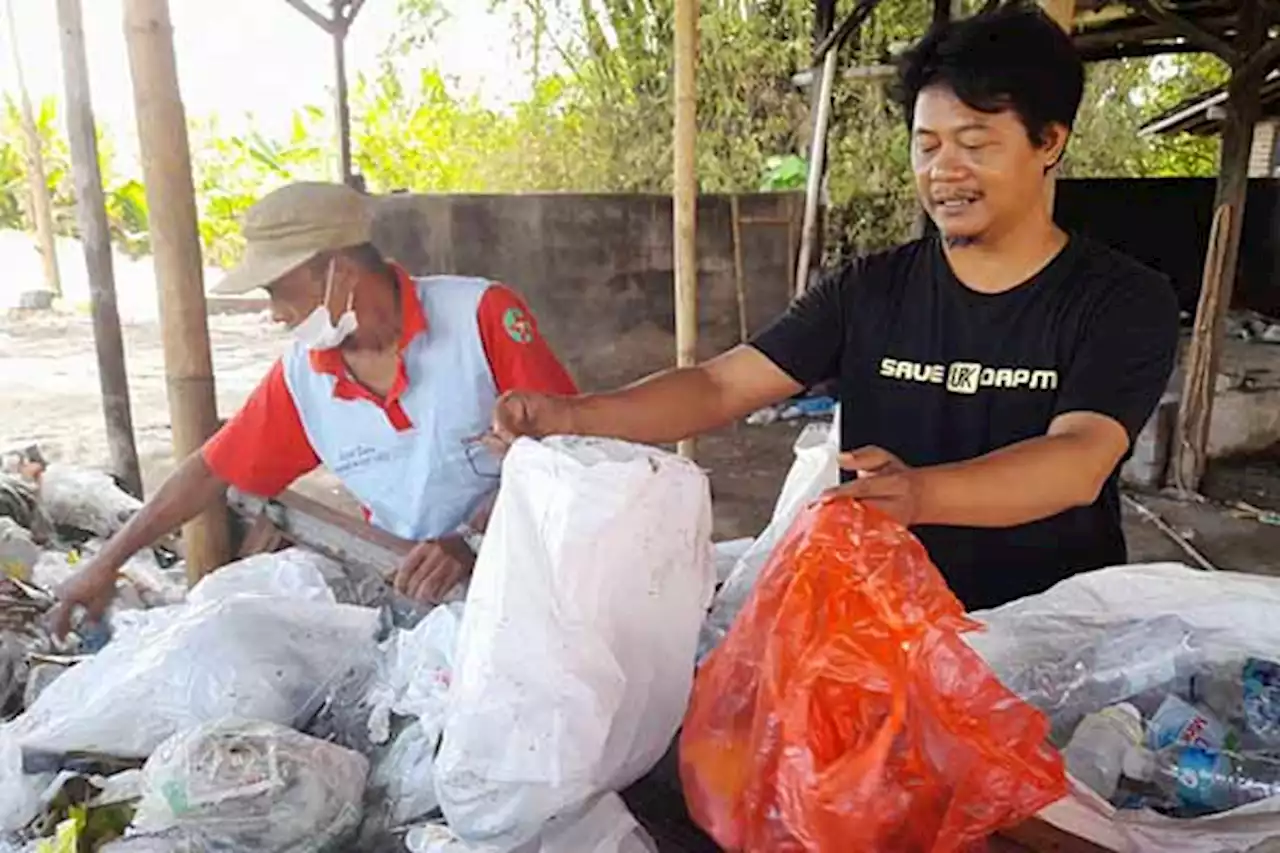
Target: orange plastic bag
844 712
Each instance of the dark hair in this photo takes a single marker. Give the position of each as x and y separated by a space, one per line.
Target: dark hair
1014 57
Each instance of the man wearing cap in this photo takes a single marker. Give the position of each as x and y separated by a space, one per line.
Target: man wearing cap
388 382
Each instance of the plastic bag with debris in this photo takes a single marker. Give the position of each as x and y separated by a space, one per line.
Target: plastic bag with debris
87 500
234 785
576 652
414 673
263 658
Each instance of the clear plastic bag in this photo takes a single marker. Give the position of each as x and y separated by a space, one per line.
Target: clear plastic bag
255 786
292 573
844 711
1158 656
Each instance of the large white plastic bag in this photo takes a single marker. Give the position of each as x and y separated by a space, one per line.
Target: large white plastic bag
1233 615
576 654
241 785
292 573
603 826
815 470
260 657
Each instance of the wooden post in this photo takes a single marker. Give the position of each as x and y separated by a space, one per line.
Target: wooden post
166 165
739 274
685 186
1243 111
96 238
41 203
342 107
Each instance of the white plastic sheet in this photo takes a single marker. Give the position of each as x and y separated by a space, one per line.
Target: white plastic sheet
577 647
292 573
1233 615
815 470
256 786
604 826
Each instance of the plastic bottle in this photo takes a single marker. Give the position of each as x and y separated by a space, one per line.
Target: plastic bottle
1096 752
1179 722
1205 778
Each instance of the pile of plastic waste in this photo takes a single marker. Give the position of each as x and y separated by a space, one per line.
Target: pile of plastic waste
1146 721
266 710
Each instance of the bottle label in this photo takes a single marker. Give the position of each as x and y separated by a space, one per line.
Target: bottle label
1197 771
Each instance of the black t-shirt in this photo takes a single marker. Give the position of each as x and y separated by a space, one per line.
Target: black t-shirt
935 372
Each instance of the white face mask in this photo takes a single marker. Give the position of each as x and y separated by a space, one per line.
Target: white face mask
318 332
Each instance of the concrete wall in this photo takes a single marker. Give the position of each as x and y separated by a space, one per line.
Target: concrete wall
597 269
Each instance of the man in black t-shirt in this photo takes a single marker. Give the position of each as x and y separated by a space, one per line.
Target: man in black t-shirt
992 378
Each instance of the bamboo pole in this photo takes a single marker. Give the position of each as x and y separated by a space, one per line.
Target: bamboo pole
41 203
166 164
95 237
685 186
817 169
342 104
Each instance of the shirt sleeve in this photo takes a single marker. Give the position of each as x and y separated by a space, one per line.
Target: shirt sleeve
1123 363
519 356
807 342
264 448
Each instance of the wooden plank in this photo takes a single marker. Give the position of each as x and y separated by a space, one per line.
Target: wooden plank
166 167
1039 836
307 522
95 237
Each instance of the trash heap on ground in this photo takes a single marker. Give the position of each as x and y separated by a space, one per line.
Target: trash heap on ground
264 710
283 705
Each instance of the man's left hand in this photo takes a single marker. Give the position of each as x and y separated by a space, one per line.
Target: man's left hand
433 569
884 482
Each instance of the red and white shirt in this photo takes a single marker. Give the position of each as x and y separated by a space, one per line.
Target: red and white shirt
463 342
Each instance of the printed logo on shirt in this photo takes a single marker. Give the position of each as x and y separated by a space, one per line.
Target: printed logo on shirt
968 377
518 325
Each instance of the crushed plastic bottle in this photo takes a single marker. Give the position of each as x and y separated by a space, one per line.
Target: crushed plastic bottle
1207 779
1096 752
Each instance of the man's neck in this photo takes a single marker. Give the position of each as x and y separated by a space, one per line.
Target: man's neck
998 264
379 316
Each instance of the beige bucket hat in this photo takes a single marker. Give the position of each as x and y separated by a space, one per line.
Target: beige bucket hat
290 226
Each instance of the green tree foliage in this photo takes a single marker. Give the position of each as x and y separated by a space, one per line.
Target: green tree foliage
599 119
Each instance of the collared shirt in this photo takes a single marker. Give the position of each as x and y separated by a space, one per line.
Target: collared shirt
265 447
